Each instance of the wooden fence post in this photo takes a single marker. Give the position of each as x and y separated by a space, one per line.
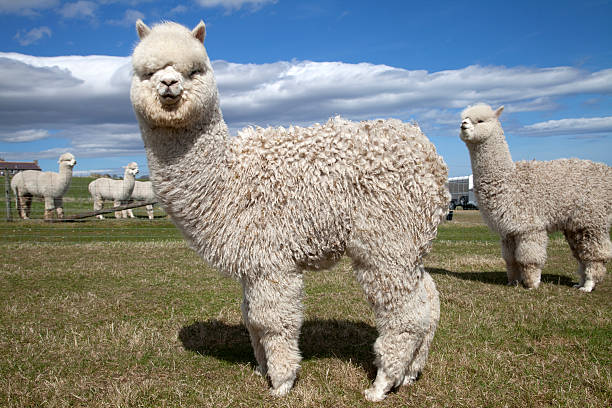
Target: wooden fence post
7 191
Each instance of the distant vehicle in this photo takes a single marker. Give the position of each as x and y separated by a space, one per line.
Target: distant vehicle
462 192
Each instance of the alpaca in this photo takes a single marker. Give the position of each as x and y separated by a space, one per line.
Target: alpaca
49 185
523 201
143 191
117 190
266 205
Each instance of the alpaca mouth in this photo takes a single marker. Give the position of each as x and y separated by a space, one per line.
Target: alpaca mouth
169 99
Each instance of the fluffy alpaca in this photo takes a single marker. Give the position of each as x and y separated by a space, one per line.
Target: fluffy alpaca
523 201
119 191
270 203
49 185
143 191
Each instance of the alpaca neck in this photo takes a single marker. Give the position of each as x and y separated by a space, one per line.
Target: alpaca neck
128 178
65 173
188 170
491 165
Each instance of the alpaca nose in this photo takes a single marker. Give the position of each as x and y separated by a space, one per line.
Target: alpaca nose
169 81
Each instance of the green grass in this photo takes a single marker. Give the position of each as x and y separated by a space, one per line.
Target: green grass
120 313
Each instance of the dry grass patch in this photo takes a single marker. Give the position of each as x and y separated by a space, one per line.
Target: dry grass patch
147 324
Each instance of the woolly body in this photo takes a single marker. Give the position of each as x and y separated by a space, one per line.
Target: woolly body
523 201
272 202
143 191
49 185
119 191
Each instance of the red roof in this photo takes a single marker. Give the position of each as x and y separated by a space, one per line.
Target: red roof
18 165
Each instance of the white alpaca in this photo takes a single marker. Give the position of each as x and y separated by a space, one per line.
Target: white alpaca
267 205
49 185
143 191
119 191
523 201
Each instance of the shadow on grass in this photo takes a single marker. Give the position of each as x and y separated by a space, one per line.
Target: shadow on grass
499 278
343 339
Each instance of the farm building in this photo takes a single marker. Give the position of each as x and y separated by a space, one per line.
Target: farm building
15 167
462 192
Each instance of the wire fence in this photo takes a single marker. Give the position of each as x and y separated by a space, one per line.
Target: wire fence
79 223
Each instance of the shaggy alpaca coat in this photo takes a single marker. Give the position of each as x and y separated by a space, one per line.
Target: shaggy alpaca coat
119 191
270 203
49 185
143 191
524 201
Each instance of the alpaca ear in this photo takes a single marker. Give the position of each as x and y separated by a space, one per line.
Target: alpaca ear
499 111
142 29
200 31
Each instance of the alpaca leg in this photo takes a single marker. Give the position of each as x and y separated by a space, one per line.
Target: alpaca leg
593 249
260 354
274 315
508 247
128 213
150 212
594 272
117 213
49 207
59 207
28 206
404 314
420 358
530 255
571 239
98 205
20 203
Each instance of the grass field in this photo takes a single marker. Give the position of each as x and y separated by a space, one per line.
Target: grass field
120 313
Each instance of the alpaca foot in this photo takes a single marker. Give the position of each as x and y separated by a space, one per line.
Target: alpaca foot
410 379
588 286
374 395
282 389
260 371
382 385
514 283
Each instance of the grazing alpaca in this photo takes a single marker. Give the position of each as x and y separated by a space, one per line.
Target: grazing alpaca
272 202
523 201
49 185
119 191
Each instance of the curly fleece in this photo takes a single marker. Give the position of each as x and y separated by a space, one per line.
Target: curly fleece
265 205
523 201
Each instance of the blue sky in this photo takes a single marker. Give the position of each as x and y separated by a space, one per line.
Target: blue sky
65 71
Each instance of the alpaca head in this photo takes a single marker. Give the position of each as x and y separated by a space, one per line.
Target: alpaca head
173 83
131 169
67 159
479 122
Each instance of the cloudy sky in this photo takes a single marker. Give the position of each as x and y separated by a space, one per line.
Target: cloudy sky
65 71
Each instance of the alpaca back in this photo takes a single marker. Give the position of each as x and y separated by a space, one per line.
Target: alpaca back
564 192
38 184
109 189
143 191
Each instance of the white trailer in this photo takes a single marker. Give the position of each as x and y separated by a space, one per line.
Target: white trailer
462 192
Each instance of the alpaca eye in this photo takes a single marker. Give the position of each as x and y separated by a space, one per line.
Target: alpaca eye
195 72
147 75
480 121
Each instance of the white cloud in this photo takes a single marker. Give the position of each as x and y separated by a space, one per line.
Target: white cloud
178 9
232 5
80 9
25 7
85 99
571 126
129 18
26 135
29 37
